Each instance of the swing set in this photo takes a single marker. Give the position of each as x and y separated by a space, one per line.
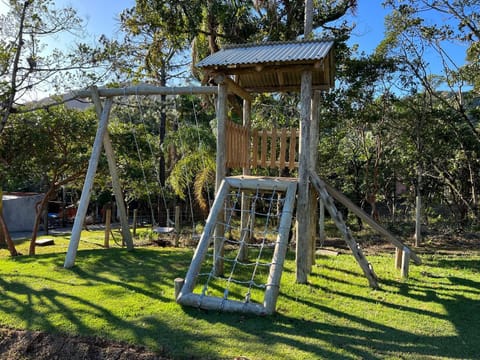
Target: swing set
236 279
170 228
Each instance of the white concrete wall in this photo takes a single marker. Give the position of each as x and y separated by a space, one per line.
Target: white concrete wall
19 211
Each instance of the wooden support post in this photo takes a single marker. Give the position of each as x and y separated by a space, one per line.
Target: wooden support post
2 235
398 258
221 133
418 220
314 138
135 214
245 205
273 284
112 166
108 218
177 224
221 171
312 227
204 243
405 262
362 215
337 217
178 284
303 247
87 186
321 222
308 20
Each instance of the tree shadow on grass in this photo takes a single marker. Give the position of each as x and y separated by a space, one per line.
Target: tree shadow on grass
48 298
352 335
460 298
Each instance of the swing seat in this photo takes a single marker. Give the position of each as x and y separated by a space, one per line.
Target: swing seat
160 230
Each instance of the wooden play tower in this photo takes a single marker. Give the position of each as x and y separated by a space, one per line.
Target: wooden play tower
306 67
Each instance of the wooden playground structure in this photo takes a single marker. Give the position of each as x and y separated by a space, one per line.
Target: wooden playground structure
306 67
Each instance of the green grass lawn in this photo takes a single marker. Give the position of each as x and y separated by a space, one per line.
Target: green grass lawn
128 296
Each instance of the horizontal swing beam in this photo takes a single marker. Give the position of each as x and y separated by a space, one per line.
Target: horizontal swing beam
148 90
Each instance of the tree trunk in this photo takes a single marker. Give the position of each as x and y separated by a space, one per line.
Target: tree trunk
38 216
6 234
7 106
372 201
418 188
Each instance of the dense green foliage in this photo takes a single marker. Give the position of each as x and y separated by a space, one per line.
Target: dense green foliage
45 148
32 65
44 151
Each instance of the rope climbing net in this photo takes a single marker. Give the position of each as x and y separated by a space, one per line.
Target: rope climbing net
239 270
249 225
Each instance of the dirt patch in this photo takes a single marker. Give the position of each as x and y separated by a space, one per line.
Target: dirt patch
23 344
462 244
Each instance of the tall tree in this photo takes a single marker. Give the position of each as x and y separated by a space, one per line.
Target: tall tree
415 28
30 65
205 26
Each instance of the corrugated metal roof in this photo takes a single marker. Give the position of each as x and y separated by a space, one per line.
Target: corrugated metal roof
273 52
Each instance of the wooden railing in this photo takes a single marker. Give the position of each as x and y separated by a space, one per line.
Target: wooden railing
268 149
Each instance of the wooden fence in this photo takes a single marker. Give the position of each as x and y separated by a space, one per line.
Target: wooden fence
276 148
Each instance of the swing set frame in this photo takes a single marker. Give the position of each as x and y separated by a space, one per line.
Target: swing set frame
102 141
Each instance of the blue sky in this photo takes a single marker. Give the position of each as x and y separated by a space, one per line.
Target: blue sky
369 20
101 16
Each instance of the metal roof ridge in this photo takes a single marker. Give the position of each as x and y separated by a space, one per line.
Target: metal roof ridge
270 43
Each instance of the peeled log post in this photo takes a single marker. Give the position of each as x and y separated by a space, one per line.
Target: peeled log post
87 186
221 171
303 229
314 138
245 203
108 218
112 166
178 284
204 243
405 262
303 247
177 224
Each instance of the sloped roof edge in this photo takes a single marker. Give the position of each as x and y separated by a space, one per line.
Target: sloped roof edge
268 52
